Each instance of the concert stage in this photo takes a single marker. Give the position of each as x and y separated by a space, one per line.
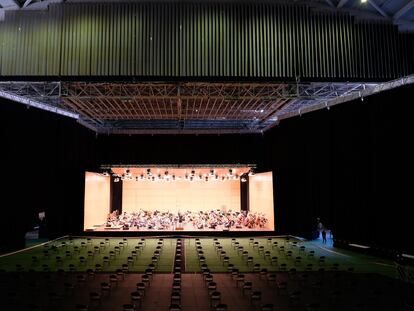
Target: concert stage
194 198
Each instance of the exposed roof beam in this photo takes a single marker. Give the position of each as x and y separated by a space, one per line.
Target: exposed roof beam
403 10
27 2
341 3
376 7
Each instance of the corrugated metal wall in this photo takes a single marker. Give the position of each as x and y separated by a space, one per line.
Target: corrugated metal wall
200 40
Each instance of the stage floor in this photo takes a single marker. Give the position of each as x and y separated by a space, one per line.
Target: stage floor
183 228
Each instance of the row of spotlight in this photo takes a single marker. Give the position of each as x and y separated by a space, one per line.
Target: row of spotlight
192 176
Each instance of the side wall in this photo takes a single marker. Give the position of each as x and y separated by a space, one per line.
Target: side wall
349 166
43 162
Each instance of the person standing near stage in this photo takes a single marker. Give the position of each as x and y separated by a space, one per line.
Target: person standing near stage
319 226
324 236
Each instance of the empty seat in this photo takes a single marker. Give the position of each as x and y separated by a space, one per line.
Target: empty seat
128 307
176 297
141 288
175 307
81 307
105 288
266 307
136 298
221 307
215 298
95 298
255 296
247 286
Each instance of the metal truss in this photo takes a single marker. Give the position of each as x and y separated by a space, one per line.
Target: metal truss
185 108
42 95
192 108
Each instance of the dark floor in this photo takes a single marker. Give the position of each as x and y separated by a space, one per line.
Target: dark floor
343 280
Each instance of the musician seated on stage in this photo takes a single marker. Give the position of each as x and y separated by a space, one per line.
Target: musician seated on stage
199 220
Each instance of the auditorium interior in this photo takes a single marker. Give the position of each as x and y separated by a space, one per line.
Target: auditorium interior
206 155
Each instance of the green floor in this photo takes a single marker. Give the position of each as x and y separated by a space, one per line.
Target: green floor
66 249
339 259
60 248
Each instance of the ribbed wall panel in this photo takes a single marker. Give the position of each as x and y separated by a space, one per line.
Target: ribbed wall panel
200 40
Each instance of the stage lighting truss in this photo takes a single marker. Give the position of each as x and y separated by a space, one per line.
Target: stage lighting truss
193 172
186 108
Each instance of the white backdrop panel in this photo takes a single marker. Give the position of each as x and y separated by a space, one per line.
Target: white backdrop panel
180 195
261 196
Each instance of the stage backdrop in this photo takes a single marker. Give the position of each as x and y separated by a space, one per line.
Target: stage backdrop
97 199
181 196
261 196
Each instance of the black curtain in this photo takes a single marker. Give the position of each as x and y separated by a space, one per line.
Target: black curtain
244 193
